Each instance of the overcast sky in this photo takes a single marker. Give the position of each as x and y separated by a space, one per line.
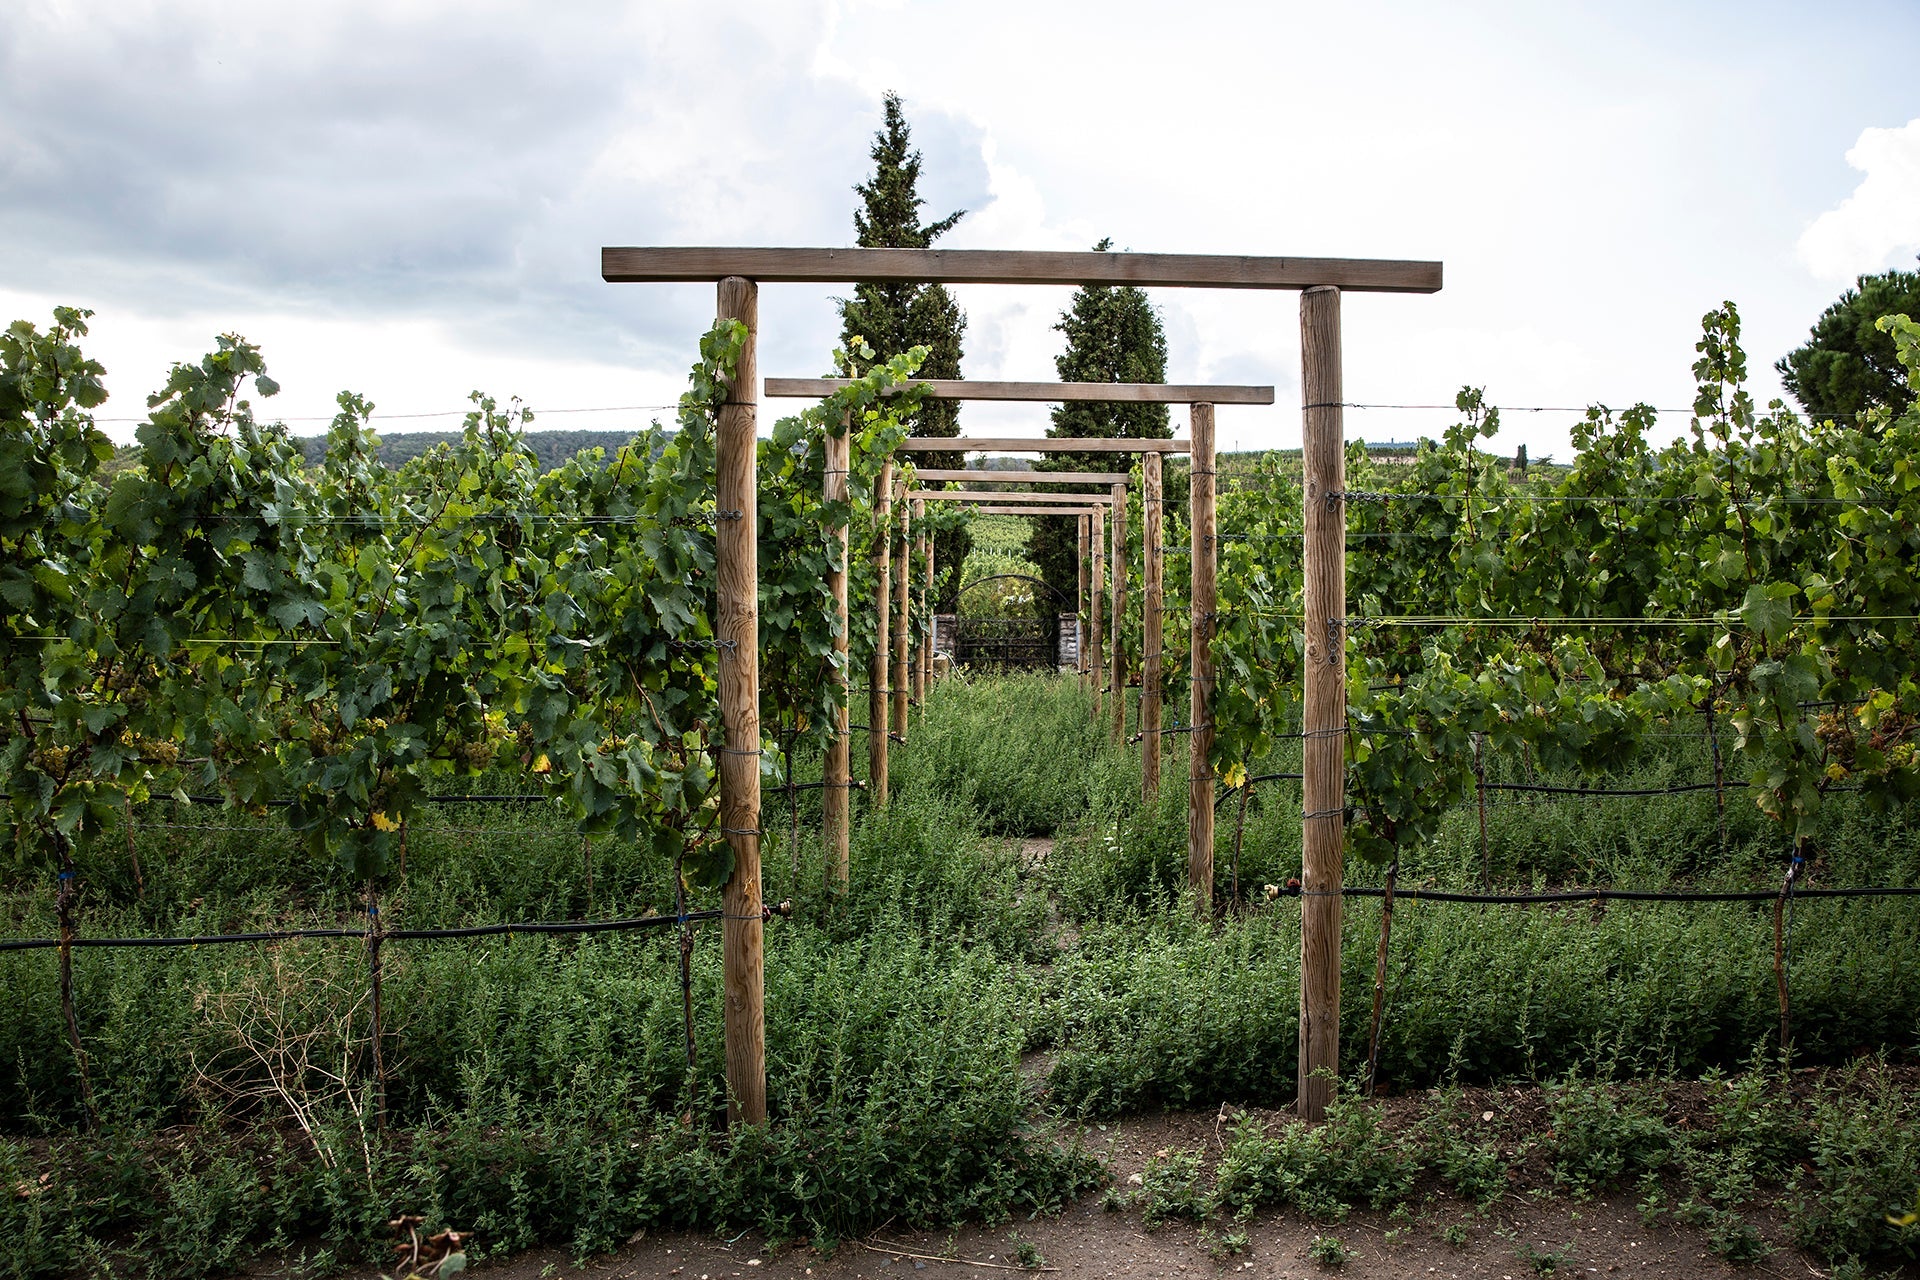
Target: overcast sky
408 199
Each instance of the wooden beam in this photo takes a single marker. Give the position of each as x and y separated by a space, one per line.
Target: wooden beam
1324 704
902 607
1034 511
1002 266
879 669
1095 599
1039 392
1023 477
835 798
1014 444
1080 612
737 627
975 495
1119 665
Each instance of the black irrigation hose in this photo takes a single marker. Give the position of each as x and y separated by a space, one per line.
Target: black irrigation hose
1589 792
1682 789
1613 895
784 909
470 799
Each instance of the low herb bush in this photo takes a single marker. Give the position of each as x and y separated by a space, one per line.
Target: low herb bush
1603 1133
1018 748
1171 1187
1323 1170
1862 1165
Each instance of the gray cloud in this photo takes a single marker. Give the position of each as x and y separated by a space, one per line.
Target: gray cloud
465 163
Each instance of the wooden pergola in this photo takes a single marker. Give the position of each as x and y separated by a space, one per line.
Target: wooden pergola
1201 399
739 272
1023 477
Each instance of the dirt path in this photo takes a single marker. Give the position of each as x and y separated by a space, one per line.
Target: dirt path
1443 1239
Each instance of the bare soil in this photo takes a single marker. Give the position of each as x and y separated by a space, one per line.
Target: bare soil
1523 1236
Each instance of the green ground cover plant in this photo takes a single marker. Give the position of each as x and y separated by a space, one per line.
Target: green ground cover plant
539 1092
207 1103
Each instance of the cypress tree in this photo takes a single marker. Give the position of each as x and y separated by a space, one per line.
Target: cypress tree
893 317
1113 335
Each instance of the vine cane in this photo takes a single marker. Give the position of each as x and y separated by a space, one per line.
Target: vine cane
375 936
64 905
1380 977
1780 952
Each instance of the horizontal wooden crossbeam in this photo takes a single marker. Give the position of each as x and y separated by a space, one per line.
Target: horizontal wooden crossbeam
1002 266
1026 477
1037 511
1014 444
951 495
1040 392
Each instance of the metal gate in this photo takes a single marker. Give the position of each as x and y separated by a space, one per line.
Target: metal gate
1007 642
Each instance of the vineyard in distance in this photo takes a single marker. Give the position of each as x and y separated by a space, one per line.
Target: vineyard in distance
367 867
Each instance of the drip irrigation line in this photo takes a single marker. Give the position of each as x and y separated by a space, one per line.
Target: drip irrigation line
509 798
1682 789
1604 895
419 935
784 910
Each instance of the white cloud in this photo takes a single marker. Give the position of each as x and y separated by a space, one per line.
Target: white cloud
408 198
1878 226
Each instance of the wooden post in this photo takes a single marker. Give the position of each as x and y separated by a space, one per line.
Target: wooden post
837 795
902 614
933 627
1323 754
1099 580
877 706
1199 769
923 654
1119 678
1080 602
1151 619
737 623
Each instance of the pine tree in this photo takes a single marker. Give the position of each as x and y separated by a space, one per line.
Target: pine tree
1847 366
893 317
1113 335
